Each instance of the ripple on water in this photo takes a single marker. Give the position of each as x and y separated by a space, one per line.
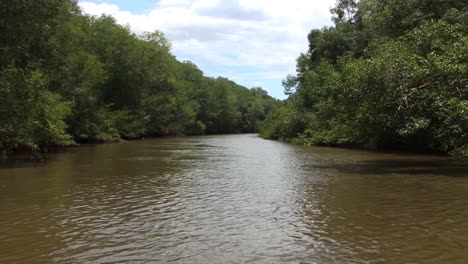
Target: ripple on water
233 199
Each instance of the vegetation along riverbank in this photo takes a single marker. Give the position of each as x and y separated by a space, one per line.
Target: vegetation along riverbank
68 78
388 73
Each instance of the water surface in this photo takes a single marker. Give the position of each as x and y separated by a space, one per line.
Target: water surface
232 199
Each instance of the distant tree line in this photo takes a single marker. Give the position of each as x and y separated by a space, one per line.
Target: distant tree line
67 78
389 73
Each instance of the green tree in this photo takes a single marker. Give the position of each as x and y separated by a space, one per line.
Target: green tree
389 74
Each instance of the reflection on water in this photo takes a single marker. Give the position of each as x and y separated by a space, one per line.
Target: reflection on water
232 199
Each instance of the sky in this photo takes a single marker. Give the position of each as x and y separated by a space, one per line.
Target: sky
252 42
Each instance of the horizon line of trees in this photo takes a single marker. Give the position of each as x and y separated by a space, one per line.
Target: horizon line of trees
68 78
389 73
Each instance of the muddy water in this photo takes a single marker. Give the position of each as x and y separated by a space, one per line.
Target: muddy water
232 199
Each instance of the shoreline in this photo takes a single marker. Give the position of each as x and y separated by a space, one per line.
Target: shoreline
39 153
399 150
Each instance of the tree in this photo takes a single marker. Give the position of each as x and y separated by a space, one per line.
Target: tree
66 77
389 74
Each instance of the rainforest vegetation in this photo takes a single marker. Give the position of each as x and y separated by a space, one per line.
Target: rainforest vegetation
388 73
67 78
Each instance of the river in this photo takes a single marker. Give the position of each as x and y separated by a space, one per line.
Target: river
232 199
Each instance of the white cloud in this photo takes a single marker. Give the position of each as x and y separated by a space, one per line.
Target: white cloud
264 35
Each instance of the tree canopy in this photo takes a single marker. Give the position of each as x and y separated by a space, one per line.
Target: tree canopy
66 77
389 73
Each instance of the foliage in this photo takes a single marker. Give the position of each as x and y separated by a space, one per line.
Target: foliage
31 117
66 77
390 73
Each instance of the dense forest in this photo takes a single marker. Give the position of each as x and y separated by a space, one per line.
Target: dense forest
68 78
389 73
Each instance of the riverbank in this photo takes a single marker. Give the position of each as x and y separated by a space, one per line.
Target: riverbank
30 153
38 152
396 149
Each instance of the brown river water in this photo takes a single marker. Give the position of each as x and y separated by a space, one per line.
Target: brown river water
232 199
